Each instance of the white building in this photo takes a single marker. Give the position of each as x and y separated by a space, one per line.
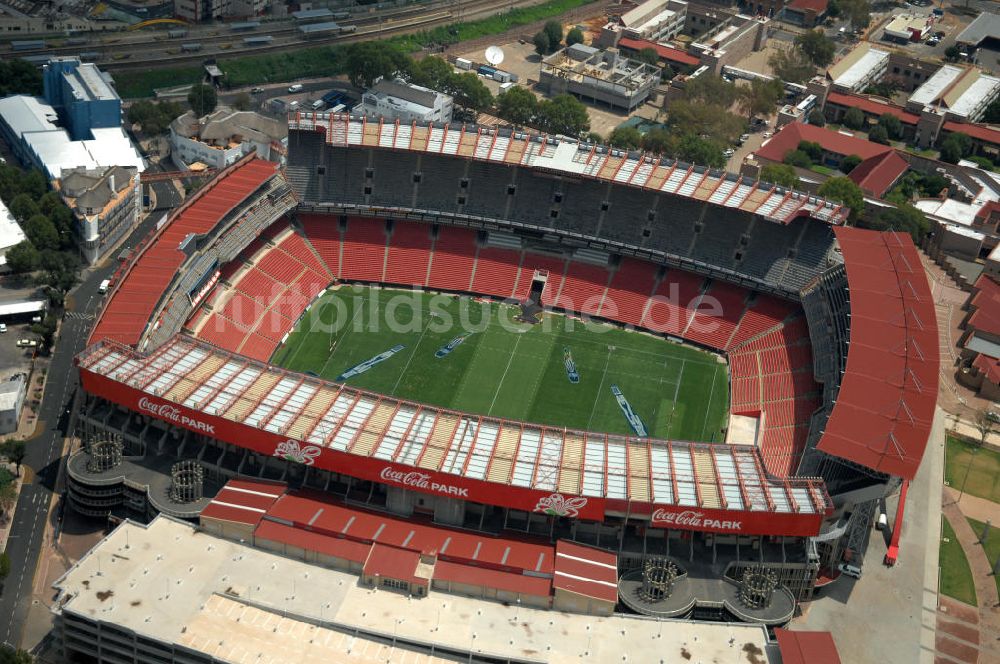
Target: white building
106 203
10 233
961 93
398 100
860 68
29 126
224 136
12 393
653 20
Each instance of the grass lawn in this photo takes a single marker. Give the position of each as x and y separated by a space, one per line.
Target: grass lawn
511 370
992 544
983 473
956 577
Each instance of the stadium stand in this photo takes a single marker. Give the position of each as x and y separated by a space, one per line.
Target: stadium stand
324 235
453 259
497 272
364 249
409 254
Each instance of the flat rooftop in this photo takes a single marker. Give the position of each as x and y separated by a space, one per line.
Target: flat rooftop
857 65
171 583
986 26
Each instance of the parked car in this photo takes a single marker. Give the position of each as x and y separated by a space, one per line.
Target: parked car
26 343
3 328
933 41
729 152
256 90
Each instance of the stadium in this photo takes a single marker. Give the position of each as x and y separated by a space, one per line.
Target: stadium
587 379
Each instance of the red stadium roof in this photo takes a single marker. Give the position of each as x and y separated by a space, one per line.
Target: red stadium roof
989 367
873 106
133 301
586 571
512 582
336 547
243 501
668 53
884 409
806 647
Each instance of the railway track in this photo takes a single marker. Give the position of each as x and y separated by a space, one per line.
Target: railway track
141 54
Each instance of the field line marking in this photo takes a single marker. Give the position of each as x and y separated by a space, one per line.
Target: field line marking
708 406
302 342
513 353
673 406
600 387
350 328
412 355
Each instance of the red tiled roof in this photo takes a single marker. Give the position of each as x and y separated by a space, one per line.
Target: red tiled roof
794 133
989 367
888 392
877 174
335 547
873 106
986 302
479 576
818 6
132 302
978 131
806 647
391 562
586 571
322 514
243 501
668 53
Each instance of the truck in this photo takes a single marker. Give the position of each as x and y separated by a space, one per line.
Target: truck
486 70
295 87
463 64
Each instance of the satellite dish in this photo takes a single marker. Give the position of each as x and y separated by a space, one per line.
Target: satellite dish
494 55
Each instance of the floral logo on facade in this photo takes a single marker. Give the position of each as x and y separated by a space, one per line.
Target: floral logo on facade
290 450
559 505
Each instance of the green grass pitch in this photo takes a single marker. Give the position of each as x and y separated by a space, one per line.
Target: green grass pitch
507 369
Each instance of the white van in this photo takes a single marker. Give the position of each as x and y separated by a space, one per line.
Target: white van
295 87
103 288
318 104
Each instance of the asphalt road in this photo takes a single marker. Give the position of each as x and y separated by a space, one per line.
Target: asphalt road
44 451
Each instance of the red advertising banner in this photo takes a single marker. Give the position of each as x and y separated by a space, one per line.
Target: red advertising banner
736 522
362 467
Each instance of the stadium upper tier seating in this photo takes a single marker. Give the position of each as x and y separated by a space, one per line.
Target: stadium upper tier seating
680 227
259 300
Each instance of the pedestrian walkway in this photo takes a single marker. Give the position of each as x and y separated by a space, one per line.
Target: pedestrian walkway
954 638
974 507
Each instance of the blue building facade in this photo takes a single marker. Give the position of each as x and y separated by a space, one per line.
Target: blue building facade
82 96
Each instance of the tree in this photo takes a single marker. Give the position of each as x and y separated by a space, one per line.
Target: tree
554 31
4 567
698 150
242 101
19 77
858 12
817 118
22 257
542 44
23 207
984 425
649 56
760 97
469 91
792 65
992 115
798 158
574 36
892 125
955 147
878 134
8 498
15 450
431 72
854 118
712 90
368 61
658 141
952 53
704 118
203 99
813 149
42 232
10 656
849 163
904 218
817 47
843 190
780 174
563 114
625 137
518 105
46 330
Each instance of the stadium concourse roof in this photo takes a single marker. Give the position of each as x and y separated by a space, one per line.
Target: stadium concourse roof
888 392
155 261
522 466
806 647
571 157
244 501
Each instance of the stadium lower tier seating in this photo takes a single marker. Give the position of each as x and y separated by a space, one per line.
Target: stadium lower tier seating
768 346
